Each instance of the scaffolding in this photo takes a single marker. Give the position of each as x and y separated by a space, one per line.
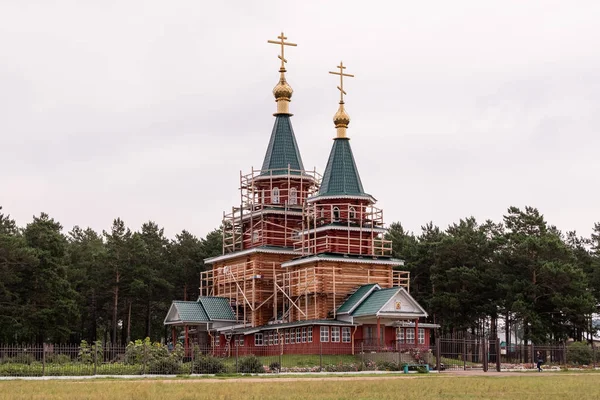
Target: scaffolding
271 201
343 228
316 292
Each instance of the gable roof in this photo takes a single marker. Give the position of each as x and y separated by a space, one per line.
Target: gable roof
372 304
283 149
341 174
355 298
204 310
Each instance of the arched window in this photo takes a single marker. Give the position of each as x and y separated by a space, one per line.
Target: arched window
255 236
336 214
293 197
322 214
275 196
352 213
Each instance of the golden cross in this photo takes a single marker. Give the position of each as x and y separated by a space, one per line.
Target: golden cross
342 75
282 43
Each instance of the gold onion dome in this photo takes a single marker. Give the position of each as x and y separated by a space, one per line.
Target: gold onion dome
341 119
282 91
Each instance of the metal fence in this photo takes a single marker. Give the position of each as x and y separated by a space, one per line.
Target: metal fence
145 358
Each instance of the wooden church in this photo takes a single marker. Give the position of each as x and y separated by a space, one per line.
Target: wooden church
305 262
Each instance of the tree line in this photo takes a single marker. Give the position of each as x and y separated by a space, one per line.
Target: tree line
83 285
522 274
117 285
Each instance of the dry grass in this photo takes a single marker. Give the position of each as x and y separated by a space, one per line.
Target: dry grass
423 387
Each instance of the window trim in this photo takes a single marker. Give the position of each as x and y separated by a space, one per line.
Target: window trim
335 214
293 197
335 334
421 336
346 334
324 334
275 196
410 335
352 213
258 339
310 334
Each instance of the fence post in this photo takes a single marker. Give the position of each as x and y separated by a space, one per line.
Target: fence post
236 358
144 357
320 356
95 357
438 354
498 355
464 353
362 355
43 359
485 355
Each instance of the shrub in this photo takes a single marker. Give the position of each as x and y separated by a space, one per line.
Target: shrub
387 366
580 353
22 358
207 364
422 369
168 366
60 359
250 365
275 366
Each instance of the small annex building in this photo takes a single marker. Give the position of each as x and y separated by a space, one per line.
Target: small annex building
306 266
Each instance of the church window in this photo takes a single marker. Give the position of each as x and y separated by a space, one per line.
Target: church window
352 213
410 335
346 334
421 336
258 339
336 214
400 335
293 200
324 334
275 196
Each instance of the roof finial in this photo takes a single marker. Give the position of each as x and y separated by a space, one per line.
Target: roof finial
341 119
282 91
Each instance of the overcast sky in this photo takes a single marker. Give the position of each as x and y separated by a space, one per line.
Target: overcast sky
148 110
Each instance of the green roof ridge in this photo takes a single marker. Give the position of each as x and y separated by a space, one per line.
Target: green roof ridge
341 174
354 298
372 304
283 149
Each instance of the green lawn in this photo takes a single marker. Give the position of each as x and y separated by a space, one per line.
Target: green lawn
559 386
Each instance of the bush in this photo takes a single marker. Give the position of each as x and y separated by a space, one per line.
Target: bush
387 366
207 364
275 366
167 366
250 365
580 353
59 359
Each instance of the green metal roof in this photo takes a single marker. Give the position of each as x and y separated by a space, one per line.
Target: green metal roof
217 308
355 298
283 149
190 311
341 175
372 304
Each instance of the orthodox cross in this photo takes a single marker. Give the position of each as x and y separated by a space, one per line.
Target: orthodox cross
342 75
282 43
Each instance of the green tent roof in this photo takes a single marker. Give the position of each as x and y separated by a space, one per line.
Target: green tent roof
341 175
205 309
354 298
283 149
374 302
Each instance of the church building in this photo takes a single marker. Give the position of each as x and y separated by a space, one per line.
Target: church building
305 262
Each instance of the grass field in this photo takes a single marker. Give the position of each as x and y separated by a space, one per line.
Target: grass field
557 386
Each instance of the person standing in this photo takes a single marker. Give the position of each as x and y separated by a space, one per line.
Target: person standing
540 360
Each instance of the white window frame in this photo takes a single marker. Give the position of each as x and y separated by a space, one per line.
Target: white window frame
410 335
400 336
346 334
298 335
258 339
335 334
241 340
352 213
322 213
275 195
217 340
304 335
292 336
276 338
270 338
293 196
324 334
310 332
287 336
421 336
334 211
